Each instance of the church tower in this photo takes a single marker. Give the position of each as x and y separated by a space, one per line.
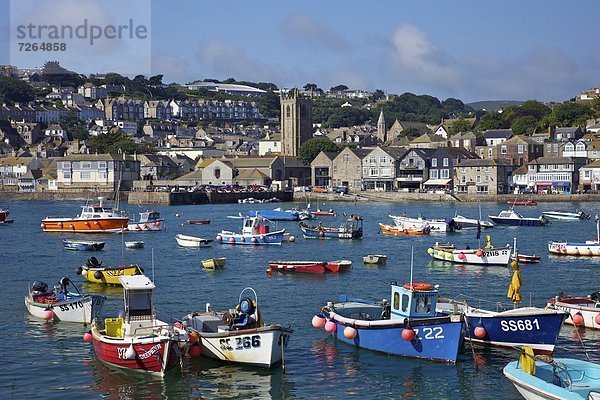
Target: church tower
381 130
296 122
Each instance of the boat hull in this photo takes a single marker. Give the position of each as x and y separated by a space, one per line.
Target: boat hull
469 223
192 241
338 266
154 355
310 232
263 347
308 267
153 226
82 245
109 276
419 223
271 238
395 231
375 259
100 225
492 256
80 309
436 339
517 222
537 330
577 305
574 248
213 263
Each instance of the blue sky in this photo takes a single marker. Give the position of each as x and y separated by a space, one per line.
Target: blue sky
471 50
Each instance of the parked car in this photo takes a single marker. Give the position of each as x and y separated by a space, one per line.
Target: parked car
341 189
319 189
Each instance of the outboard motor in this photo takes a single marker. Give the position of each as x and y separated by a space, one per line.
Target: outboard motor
64 282
93 262
39 287
595 296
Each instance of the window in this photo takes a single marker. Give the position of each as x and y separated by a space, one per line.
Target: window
67 175
396 300
288 112
486 179
586 173
445 173
86 165
386 171
548 147
463 169
372 160
478 179
404 302
374 172
101 164
478 169
434 162
503 149
463 179
85 175
486 169
467 143
445 162
520 149
217 173
556 147
346 158
102 175
490 153
382 160
433 174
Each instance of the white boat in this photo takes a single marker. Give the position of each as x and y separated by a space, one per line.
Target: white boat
192 241
587 248
484 256
375 259
435 225
149 221
471 223
511 217
62 305
138 244
558 378
238 335
583 311
565 215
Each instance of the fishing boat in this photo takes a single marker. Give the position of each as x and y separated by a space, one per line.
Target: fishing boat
352 228
588 248
386 229
554 378
308 267
82 245
214 263
192 241
4 213
198 221
563 215
408 325
338 265
239 335
323 213
95 218
139 341
582 310
471 223
375 259
511 217
255 231
434 225
137 244
488 255
61 304
529 203
149 221
93 271
277 214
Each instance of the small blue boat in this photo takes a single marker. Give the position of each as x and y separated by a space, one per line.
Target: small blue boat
511 217
351 229
82 245
254 232
408 326
559 378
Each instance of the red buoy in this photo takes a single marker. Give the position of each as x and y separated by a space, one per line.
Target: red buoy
577 319
408 334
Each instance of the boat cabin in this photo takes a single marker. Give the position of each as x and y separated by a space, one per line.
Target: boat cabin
510 214
149 216
98 211
416 301
252 226
139 312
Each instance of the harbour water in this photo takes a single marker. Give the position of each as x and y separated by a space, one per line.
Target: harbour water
46 360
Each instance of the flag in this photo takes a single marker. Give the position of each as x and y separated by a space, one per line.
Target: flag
478 229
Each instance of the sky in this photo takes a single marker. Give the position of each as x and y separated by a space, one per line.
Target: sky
471 50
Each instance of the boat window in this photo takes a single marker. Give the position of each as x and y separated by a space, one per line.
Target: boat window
422 305
140 303
396 300
404 302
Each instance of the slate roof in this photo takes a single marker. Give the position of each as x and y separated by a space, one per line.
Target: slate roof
498 134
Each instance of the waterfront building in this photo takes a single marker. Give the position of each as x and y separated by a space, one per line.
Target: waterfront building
482 176
296 122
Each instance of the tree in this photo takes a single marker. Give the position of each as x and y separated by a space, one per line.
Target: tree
339 88
269 105
114 142
378 95
310 149
310 86
15 91
75 128
55 74
524 125
570 114
460 125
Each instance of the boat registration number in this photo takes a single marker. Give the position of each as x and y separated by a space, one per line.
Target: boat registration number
520 325
241 343
430 333
70 306
494 253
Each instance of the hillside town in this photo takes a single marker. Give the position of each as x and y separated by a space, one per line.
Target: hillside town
236 146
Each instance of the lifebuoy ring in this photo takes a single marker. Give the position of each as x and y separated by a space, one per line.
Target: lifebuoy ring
418 286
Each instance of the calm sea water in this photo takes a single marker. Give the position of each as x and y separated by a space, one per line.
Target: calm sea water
48 361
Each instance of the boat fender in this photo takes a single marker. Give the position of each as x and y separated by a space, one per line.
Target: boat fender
43 226
577 319
597 319
408 334
350 332
330 326
98 275
406 231
79 271
479 332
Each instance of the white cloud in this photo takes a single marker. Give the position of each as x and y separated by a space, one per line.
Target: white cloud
419 60
174 68
304 29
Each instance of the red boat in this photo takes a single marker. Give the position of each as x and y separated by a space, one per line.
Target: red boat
96 218
4 216
531 203
138 341
338 265
199 221
311 267
323 213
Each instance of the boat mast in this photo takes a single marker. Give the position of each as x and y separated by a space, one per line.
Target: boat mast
412 255
597 229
